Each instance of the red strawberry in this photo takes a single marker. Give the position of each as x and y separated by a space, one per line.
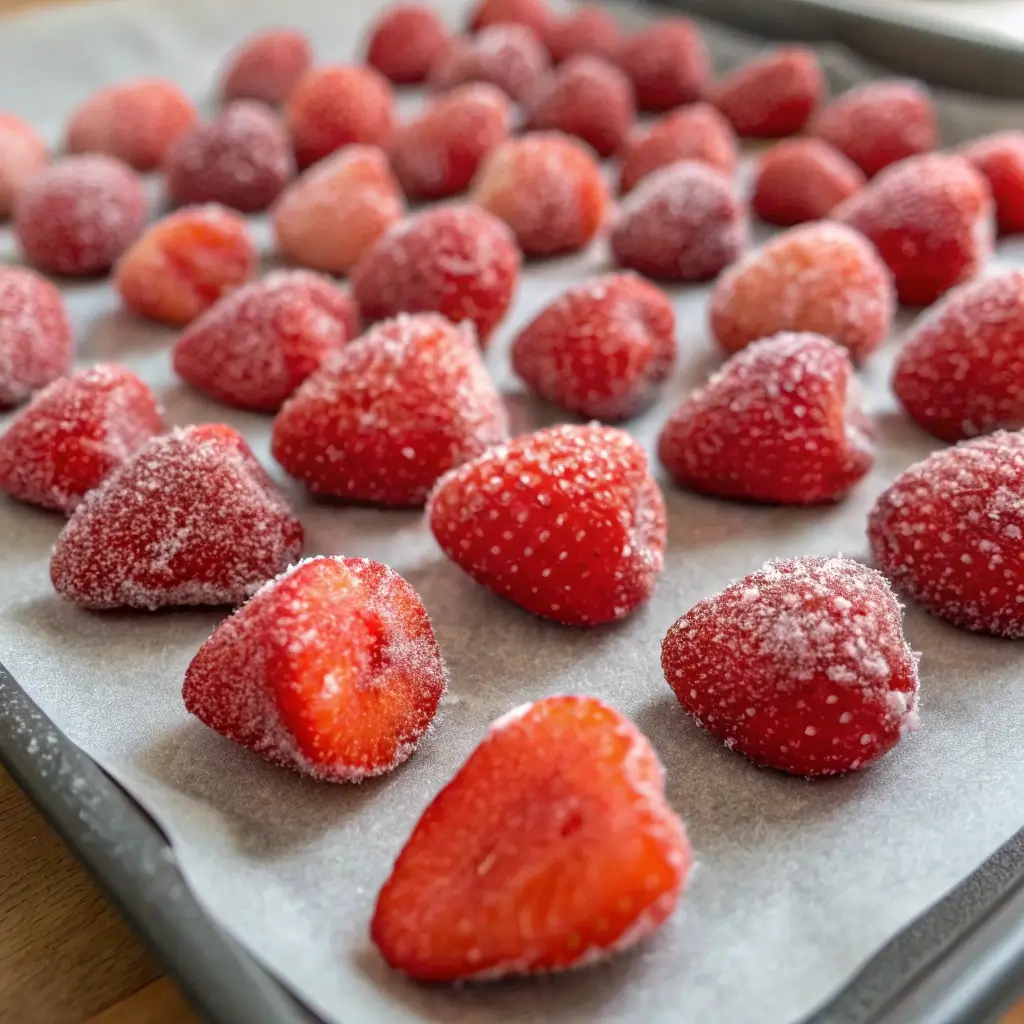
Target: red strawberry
266 66
879 123
36 343
585 30
404 41
930 218
959 369
190 519
601 348
948 533
801 666
1000 158
553 847
255 346
391 413
668 63
773 95
567 522
331 669
800 180
775 424
74 434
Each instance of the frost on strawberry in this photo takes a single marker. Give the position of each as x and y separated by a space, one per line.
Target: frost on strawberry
551 848
801 666
948 534
391 412
780 422
74 434
567 522
332 670
959 369
191 519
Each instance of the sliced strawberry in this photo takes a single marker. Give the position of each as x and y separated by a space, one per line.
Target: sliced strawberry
553 847
74 434
254 347
567 522
959 369
331 669
948 533
191 519
601 348
773 95
778 423
391 413
801 666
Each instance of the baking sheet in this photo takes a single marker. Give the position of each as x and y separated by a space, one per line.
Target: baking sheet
796 884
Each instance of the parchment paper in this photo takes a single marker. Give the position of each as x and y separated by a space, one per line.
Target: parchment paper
796 884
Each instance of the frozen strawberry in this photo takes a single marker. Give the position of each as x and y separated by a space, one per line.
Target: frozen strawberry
437 153
601 348
331 670
681 223
547 187
509 57
191 519
136 121
254 347
800 180
267 66
823 278
74 434
1000 158
589 98
694 132
534 14
948 534
588 30
801 666
959 369
458 261
404 41
333 107
667 63
931 220
779 423
567 522
391 413
22 154
78 215
184 263
36 345
552 847
773 95
337 209
879 123
242 158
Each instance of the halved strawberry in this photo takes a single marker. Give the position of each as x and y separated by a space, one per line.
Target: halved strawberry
74 434
801 666
191 519
391 412
331 669
780 422
552 847
567 522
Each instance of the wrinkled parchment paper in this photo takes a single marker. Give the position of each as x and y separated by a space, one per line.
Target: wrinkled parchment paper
796 883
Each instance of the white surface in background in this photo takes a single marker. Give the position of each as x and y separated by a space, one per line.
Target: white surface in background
797 883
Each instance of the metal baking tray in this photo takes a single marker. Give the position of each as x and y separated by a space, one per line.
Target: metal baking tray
961 961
